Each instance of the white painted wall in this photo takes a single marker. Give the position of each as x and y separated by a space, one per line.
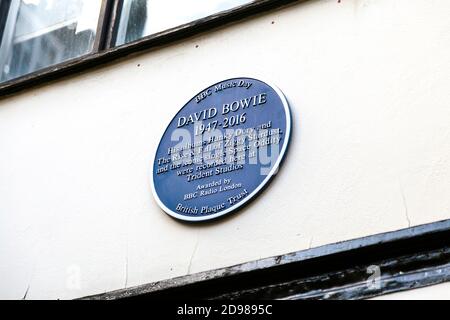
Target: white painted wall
368 83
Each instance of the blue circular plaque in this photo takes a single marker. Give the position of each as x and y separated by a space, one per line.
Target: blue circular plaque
221 149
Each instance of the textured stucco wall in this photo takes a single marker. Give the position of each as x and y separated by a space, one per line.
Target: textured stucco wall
368 83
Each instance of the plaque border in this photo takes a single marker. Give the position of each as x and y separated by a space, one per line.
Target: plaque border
257 190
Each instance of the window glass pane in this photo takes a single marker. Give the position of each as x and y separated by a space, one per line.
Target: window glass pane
40 33
140 18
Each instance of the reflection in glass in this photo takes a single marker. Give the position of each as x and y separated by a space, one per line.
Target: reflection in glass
140 18
40 33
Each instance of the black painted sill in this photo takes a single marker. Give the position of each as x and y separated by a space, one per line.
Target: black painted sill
156 40
407 259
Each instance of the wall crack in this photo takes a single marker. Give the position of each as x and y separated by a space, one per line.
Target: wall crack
405 205
192 256
26 293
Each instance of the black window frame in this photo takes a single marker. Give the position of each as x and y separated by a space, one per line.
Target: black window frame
105 50
98 45
4 10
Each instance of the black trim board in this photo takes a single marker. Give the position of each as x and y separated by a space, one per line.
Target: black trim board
153 41
408 258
